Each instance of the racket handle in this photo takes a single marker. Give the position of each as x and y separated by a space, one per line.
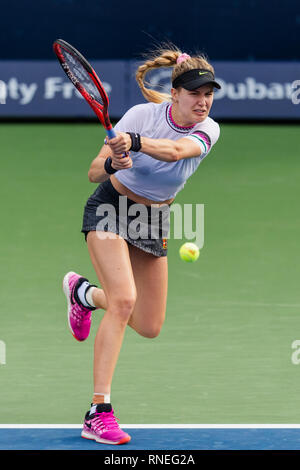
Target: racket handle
111 134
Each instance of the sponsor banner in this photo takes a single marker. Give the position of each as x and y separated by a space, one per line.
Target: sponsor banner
41 89
250 90
258 90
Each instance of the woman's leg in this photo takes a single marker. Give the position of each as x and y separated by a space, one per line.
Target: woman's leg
151 280
111 261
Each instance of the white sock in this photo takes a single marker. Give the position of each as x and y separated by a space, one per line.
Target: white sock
89 296
81 293
85 295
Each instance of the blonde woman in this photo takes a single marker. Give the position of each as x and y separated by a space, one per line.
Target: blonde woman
164 141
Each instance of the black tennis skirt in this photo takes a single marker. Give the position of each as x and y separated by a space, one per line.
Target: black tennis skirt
145 227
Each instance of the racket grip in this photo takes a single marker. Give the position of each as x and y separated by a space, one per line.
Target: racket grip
111 134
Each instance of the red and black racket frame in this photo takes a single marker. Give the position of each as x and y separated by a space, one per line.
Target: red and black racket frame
100 110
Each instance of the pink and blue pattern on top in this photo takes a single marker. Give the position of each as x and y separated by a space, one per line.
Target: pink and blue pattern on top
173 124
203 140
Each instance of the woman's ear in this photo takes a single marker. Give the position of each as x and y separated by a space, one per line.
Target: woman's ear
174 94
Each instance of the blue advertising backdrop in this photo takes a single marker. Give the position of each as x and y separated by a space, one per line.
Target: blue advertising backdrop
253 44
260 90
224 29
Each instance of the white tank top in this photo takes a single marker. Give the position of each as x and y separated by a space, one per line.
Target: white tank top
154 179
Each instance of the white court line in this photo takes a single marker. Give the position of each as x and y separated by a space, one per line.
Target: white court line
248 304
157 426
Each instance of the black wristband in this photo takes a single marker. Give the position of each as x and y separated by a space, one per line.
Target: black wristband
135 141
108 168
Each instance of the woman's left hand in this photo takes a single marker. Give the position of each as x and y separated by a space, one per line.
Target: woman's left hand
119 144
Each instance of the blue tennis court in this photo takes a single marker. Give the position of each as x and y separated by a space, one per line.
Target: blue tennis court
155 439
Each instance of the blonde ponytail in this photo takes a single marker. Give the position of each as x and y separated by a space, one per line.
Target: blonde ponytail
167 57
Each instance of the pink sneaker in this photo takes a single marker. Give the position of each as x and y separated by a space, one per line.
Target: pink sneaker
79 317
102 426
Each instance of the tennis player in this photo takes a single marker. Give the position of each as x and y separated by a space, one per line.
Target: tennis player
164 141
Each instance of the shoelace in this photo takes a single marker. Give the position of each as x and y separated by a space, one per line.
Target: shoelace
105 421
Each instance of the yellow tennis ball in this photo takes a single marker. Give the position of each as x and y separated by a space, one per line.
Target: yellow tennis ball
189 252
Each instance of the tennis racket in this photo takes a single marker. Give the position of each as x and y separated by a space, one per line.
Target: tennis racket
85 79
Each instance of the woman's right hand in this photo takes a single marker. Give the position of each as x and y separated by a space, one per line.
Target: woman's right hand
119 162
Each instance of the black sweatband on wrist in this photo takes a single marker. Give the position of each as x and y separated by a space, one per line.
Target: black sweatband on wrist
135 141
108 168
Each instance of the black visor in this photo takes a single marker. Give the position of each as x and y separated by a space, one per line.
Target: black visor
193 79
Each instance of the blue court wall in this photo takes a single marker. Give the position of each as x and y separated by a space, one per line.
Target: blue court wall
260 90
228 30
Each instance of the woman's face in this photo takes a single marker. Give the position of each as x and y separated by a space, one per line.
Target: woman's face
191 107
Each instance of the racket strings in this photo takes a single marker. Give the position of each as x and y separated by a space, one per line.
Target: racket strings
80 73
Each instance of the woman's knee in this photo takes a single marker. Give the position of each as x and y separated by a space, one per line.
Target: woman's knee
150 330
122 306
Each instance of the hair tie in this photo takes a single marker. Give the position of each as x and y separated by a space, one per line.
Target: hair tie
182 58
